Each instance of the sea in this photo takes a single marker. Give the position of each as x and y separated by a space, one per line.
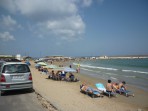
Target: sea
133 71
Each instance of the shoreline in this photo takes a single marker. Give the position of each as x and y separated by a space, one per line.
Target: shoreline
116 74
131 85
64 102
92 81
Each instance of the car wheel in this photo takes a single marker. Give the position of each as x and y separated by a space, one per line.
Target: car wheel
31 90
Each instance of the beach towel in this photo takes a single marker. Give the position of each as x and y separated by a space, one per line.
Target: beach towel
101 87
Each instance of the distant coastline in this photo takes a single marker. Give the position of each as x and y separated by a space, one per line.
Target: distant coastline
66 58
123 57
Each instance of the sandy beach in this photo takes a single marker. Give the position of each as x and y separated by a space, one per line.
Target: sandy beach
66 96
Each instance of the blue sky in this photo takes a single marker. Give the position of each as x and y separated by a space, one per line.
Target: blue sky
74 27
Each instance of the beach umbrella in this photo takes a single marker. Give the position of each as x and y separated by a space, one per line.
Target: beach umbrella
37 65
68 69
59 68
51 66
42 63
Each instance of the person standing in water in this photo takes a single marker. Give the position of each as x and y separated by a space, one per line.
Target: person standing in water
78 68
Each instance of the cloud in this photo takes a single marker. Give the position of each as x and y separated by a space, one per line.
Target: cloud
60 18
7 22
8 5
86 3
41 9
6 36
68 28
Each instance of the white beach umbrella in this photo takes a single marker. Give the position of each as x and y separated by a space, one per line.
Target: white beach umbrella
51 66
42 63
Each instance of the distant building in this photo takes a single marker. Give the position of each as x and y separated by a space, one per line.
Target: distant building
103 57
2 56
18 56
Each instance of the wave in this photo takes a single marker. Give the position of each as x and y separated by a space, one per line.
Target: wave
111 74
86 69
114 78
135 71
136 77
131 76
90 70
107 68
95 67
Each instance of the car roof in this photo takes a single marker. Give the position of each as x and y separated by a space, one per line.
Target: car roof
1 61
6 63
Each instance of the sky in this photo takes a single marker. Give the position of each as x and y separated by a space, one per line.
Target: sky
40 28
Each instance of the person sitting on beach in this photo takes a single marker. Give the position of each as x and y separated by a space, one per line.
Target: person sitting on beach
63 75
71 77
115 87
109 87
40 68
57 75
45 70
51 75
90 90
122 87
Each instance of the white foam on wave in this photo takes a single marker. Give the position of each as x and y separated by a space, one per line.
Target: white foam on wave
135 71
105 68
90 70
86 69
75 63
111 69
114 78
111 74
95 67
130 76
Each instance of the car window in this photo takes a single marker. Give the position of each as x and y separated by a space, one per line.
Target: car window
16 68
0 66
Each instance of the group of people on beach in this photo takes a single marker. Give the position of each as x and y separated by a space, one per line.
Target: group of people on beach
115 87
61 75
42 69
110 88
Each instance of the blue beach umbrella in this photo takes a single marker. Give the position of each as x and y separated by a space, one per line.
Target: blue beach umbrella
59 68
68 69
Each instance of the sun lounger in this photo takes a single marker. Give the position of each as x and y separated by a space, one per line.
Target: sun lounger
90 91
101 87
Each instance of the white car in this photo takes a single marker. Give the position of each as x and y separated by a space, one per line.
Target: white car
15 76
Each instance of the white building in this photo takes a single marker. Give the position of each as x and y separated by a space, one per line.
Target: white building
18 56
